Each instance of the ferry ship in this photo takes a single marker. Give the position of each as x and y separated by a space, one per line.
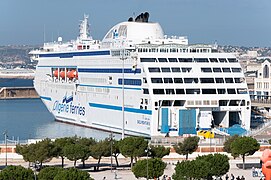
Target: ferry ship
138 81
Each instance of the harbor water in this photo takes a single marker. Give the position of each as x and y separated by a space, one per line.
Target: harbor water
30 119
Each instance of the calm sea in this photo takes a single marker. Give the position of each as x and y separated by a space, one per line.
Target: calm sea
29 119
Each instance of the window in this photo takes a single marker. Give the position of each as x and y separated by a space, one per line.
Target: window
228 80
168 80
175 69
156 80
223 102
170 91
166 103
158 91
185 59
223 60
148 60
207 80
178 103
179 91
144 80
237 80
236 70
145 91
241 91
234 102
231 91
266 72
162 59
186 69
154 69
206 70
232 60
201 60
192 91
208 91
219 80
221 91
165 69
172 59
226 69
134 82
213 59
217 70
191 80
178 80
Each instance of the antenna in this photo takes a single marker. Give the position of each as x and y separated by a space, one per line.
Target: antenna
44 38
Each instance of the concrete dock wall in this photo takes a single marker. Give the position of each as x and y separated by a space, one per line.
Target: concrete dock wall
18 92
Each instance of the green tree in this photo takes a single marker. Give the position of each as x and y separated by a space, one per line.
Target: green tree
60 143
16 173
115 150
244 146
74 152
227 143
86 143
48 173
72 174
188 146
153 168
100 149
159 151
133 147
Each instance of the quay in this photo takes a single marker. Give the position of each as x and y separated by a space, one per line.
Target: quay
18 92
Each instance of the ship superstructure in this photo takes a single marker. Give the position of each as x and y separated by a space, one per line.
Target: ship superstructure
139 80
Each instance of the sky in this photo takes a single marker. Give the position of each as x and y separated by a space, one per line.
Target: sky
229 22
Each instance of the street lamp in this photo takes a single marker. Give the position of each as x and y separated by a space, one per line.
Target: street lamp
6 135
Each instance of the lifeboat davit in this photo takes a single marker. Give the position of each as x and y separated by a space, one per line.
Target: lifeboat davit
62 74
55 73
72 74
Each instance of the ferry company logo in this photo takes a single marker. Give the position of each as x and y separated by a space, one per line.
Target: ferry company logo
67 106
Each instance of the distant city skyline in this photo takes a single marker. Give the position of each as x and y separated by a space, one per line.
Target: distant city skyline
229 22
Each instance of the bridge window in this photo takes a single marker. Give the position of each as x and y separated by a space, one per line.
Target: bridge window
237 80
234 102
192 91
178 80
207 80
226 70
170 91
176 69
231 91
208 91
165 69
221 91
201 60
219 80
162 59
223 60
156 80
191 80
154 69
217 70
178 103
213 59
158 91
186 69
229 80
172 59
168 80
232 60
236 70
206 70
266 72
223 102
179 91
185 59
148 60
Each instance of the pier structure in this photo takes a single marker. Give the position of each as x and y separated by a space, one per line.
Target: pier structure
18 92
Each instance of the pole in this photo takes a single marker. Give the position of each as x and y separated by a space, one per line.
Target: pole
5 134
147 163
123 120
111 136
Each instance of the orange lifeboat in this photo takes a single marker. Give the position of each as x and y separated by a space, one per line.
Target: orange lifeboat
72 74
62 74
55 73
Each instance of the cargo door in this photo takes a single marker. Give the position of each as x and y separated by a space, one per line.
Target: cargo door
187 122
165 117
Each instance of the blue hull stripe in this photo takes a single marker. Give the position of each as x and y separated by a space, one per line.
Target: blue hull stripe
72 54
108 70
46 98
110 87
119 108
57 66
